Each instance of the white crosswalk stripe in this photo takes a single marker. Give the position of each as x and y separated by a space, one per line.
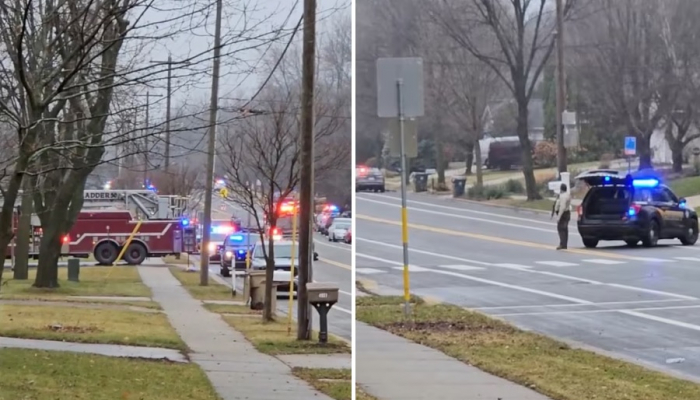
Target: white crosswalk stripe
515 266
369 271
461 267
556 263
604 261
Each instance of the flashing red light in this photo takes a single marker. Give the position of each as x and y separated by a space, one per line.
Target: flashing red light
66 239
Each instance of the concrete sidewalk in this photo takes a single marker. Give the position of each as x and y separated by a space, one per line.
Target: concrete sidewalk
235 368
393 368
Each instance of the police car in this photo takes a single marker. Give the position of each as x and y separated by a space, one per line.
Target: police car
632 209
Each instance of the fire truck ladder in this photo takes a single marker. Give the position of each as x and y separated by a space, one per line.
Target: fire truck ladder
144 203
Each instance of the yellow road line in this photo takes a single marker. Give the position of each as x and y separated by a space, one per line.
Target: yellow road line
335 263
497 239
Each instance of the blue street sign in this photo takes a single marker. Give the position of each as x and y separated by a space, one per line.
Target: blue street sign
630 146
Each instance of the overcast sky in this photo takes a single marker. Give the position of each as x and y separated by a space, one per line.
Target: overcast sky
241 70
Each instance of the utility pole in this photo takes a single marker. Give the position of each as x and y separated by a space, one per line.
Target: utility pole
209 191
561 82
167 116
307 169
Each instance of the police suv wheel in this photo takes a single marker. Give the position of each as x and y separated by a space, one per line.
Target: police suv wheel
652 237
632 242
691 234
590 243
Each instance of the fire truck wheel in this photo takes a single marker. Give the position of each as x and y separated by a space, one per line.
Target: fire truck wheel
106 253
135 254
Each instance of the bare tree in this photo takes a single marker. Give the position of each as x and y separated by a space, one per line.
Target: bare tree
622 56
512 38
471 90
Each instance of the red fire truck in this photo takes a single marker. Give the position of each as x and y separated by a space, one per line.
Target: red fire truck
102 228
104 234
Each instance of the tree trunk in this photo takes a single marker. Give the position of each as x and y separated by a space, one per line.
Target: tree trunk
677 155
440 163
269 276
479 164
24 231
528 169
59 216
470 158
644 149
49 252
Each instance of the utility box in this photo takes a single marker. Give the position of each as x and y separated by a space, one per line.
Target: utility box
74 270
322 296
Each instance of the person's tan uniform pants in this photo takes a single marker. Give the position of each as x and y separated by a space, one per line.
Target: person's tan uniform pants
563 210
563 228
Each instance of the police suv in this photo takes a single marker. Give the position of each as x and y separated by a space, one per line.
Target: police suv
622 207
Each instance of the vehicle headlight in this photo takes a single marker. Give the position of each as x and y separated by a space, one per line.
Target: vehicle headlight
212 247
229 254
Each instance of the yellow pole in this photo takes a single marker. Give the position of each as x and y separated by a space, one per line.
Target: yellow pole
291 279
128 241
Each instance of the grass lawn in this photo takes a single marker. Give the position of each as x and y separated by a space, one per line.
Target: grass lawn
336 383
686 187
40 375
85 325
94 281
272 338
549 366
174 261
231 309
215 290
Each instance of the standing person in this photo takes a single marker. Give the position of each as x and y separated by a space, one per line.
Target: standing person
562 208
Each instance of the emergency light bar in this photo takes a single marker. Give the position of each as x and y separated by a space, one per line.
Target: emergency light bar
237 238
185 222
645 183
222 229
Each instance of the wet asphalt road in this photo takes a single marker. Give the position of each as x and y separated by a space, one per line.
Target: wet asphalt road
639 304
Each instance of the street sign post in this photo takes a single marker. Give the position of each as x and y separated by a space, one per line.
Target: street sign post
630 150
410 139
400 96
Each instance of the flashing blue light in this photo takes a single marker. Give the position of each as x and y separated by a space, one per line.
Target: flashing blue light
648 183
631 212
237 238
241 251
185 222
334 208
606 179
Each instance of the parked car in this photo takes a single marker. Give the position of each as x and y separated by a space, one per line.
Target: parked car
338 229
369 179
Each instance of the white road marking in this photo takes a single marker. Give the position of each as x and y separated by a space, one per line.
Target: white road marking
490 221
489 282
548 273
335 246
413 268
606 303
428 253
335 307
687 258
604 311
512 266
368 271
603 261
553 295
556 263
461 267
528 220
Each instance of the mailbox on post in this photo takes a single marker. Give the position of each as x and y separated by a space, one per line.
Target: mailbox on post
322 296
